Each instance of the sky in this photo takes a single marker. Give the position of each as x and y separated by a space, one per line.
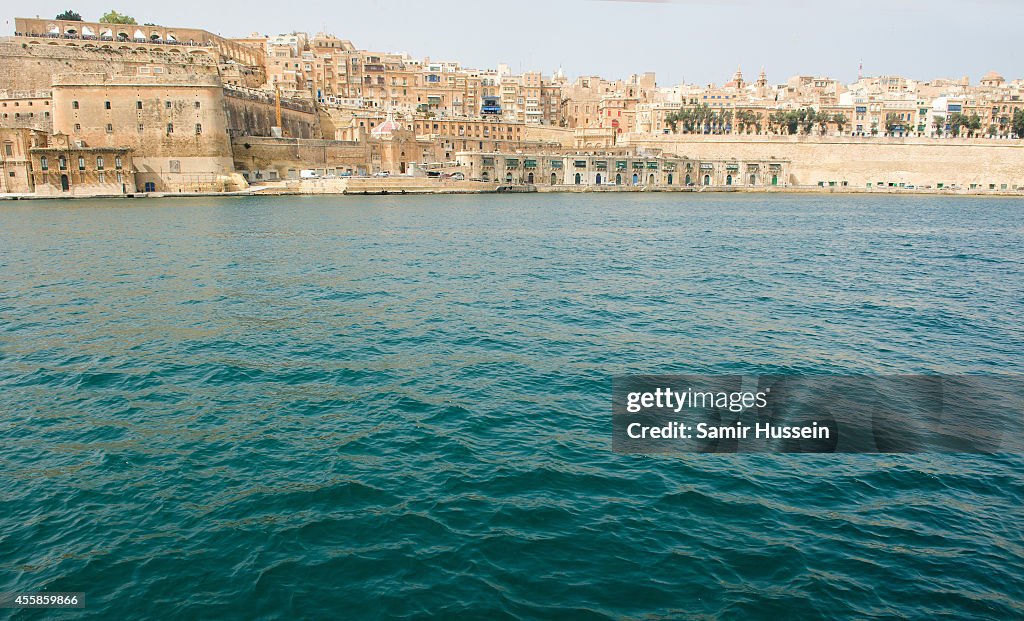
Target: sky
696 41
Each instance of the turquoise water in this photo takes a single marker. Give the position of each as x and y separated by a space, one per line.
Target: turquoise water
385 407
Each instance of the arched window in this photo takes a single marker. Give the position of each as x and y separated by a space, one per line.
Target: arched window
44 163
81 163
62 163
579 179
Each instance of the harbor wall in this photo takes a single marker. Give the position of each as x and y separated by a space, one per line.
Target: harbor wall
987 164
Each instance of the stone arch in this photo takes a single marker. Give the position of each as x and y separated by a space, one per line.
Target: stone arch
618 179
689 181
529 178
598 178
636 179
650 179
71 30
707 179
106 33
579 179
508 178
670 178
52 29
728 180
554 178
485 176
88 32
139 35
122 35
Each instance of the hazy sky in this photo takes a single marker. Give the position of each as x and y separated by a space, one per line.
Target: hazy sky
700 41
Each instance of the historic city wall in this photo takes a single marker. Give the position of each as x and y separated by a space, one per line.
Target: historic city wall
289 156
862 161
32 67
250 115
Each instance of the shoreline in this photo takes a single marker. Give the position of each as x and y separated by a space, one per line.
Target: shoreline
400 190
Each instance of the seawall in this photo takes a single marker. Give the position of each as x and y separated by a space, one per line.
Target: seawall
860 162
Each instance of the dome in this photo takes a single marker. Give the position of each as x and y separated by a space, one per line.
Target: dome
992 76
388 127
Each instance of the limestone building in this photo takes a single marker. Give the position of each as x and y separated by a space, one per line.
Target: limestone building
66 167
175 128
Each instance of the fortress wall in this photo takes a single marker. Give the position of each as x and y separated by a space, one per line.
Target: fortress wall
289 154
250 117
32 66
914 161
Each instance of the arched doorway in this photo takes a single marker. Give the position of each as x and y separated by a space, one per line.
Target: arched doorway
508 178
529 178
728 180
707 179
554 178
753 179
598 178
670 178
578 179
64 184
775 180
650 179
636 179
485 176
618 179
689 181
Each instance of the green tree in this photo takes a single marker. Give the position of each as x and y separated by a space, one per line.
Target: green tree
1017 123
113 17
823 120
672 119
973 125
992 130
807 118
939 123
957 121
894 124
840 120
70 16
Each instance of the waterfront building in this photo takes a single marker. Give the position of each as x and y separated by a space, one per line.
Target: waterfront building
176 128
621 168
15 158
67 167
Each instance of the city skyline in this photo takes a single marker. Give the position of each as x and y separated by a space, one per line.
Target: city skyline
569 37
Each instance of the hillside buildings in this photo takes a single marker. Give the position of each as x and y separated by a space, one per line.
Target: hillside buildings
87 107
